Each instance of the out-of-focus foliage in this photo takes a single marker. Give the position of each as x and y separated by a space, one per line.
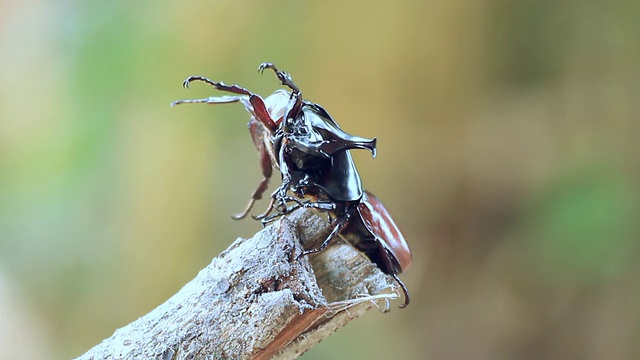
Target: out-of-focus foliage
508 144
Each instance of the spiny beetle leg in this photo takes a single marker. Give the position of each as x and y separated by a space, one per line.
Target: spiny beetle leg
404 289
267 170
320 205
283 76
341 223
257 105
295 103
273 217
289 199
278 202
244 212
209 100
266 212
261 112
218 85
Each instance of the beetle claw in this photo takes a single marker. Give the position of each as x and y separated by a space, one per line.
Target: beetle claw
244 212
404 290
266 212
266 65
283 76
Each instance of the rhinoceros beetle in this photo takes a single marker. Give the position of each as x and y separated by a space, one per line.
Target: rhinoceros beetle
310 150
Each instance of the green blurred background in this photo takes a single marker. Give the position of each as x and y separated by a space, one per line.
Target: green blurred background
508 153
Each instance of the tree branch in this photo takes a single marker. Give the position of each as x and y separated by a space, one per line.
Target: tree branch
256 300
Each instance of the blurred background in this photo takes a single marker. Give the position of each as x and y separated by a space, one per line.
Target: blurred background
508 153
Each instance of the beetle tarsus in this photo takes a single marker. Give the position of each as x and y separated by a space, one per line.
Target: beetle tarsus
245 212
235 89
257 194
267 220
320 205
266 65
283 76
341 223
210 100
266 212
404 290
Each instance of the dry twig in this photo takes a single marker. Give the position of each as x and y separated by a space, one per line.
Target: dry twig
257 301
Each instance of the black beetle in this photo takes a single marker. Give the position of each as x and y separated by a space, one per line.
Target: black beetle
311 151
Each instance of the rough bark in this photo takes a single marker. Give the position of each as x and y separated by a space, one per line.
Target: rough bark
257 301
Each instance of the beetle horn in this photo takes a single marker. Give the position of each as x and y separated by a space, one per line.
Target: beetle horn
339 140
336 138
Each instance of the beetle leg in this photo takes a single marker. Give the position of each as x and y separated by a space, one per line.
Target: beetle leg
404 290
257 195
320 205
273 217
283 76
298 204
281 200
209 100
243 214
341 223
267 220
266 212
295 104
267 170
280 194
261 113
218 85
255 105
278 201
